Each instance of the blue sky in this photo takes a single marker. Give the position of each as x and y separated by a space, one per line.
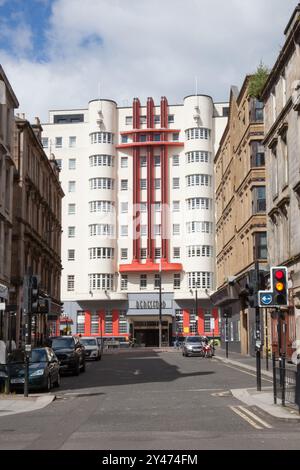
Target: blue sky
58 53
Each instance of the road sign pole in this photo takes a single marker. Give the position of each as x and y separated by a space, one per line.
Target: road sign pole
258 333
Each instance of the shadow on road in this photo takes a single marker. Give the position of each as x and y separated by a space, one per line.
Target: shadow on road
130 368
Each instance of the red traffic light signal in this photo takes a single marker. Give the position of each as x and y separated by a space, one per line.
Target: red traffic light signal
279 276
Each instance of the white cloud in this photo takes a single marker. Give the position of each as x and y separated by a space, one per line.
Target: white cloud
147 48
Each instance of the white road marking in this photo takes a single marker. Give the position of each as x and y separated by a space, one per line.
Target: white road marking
245 417
266 425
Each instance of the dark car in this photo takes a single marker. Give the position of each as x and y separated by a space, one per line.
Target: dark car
43 369
70 352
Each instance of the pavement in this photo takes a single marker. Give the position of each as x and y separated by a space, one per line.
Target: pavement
14 404
251 397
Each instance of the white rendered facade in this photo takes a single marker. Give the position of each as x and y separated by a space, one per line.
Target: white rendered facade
116 161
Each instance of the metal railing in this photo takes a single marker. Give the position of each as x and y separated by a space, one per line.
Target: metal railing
286 383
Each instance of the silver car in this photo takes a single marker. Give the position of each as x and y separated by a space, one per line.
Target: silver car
193 346
92 348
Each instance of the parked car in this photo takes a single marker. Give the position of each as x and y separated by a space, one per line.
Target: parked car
70 352
116 342
193 346
44 371
92 348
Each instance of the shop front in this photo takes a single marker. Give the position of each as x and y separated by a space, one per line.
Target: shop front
143 314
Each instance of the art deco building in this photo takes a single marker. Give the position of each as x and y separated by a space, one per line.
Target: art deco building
139 200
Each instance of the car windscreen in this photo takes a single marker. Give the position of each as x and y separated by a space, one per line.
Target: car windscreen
88 342
194 339
61 343
38 355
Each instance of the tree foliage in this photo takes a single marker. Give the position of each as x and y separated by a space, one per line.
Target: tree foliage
258 80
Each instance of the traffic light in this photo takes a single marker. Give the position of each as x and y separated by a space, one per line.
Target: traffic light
34 294
43 306
279 278
251 294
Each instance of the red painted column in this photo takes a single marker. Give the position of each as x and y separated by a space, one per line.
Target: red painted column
87 323
215 314
136 183
186 321
115 320
150 180
201 322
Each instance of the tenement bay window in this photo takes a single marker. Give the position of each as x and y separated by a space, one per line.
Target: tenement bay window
257 154
259 199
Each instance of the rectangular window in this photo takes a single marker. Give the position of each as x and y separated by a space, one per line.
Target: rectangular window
257 154
124 207
259 199
176 229
124 253
143 230
72 186
71 255
124 139
176 281
71 232
143 253
143 281
72 141
176 183
80 322
156 160
143 183
170 118
157 119
124 162
143 206
95 323
156 281
71 209
193 322
157 183
124 185
207 317
261 245
71 283
58 142
156 138
143 161
176 252
45 142
157 206
157 253
108 322
128 120
157 230
143 138
176 136
175 160
123 322
124 281
72 163
124 230
179 321
143 119
176 206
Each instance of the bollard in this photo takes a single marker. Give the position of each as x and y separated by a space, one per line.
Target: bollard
274 377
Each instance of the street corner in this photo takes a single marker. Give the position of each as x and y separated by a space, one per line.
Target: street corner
264 400
14 404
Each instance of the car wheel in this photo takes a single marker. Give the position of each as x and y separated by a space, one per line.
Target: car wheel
48 386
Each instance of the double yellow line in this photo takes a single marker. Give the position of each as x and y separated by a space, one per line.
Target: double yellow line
250 417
